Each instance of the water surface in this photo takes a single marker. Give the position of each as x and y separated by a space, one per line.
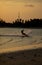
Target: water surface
10 40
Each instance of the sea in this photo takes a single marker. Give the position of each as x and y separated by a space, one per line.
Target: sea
12 37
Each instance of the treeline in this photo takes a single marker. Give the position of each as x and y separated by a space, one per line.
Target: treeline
32 23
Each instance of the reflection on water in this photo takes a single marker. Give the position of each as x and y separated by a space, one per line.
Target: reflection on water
13 41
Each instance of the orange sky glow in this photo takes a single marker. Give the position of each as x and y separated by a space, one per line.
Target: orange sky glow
9 9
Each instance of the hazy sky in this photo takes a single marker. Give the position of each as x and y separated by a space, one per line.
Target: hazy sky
10 9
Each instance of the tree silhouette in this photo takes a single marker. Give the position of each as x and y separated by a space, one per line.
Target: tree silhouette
32 23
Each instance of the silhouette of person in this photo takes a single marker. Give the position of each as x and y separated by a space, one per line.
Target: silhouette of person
22 31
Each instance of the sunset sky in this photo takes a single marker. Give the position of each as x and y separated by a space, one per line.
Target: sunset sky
10 9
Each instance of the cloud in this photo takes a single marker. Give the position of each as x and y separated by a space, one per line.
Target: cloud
32 0
29 5
24 0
